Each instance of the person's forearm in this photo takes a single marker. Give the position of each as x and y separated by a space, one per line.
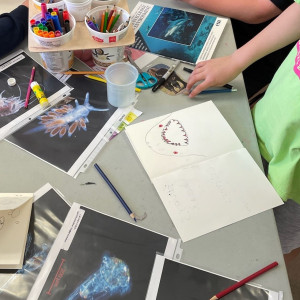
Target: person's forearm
284 30
249 11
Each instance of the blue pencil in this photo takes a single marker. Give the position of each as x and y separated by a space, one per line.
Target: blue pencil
131 214
218 91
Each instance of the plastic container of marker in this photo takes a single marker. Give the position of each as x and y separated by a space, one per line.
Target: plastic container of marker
50 42
110 37
60 4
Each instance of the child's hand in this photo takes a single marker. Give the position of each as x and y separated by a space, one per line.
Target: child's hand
214 72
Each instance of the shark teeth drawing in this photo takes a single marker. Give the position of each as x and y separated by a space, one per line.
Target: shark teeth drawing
174 134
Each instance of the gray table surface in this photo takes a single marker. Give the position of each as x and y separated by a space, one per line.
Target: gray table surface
234 251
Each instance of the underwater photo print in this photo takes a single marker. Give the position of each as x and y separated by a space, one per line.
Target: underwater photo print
62 134
48 214
15 73
100 257
175 33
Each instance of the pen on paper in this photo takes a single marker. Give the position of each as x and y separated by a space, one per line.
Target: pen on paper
104 81
29 87
131 214
164 78
244 281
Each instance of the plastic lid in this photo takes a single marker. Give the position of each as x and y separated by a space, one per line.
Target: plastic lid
11 81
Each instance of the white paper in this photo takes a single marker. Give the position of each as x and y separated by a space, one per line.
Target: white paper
209 195
204 176
15 211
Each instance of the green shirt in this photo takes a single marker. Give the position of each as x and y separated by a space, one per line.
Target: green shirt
277 122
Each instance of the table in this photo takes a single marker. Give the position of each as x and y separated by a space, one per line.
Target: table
234 251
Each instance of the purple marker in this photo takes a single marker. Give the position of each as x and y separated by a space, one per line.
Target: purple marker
92 25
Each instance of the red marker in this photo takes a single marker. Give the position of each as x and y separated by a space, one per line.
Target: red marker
29 87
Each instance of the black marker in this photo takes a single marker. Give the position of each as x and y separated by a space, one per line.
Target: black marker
165 77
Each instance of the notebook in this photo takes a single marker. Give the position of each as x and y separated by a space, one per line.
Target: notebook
15 211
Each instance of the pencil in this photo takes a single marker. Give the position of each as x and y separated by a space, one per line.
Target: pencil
242 282
83 72
218 91
104 81
131 214
29 87
105 19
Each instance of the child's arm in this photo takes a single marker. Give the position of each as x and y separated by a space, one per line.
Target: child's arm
249 11
216 72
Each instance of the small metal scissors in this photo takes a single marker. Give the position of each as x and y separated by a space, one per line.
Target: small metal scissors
145 80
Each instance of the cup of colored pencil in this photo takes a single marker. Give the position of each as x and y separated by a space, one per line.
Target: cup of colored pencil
107 24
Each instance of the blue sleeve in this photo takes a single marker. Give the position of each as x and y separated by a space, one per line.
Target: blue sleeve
282 4
14 28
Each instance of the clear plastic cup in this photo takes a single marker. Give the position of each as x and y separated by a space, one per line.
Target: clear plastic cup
121 81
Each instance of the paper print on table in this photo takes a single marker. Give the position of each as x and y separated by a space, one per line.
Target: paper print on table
12 98
175 33
48 213
177 281
62 135
204 176
112 260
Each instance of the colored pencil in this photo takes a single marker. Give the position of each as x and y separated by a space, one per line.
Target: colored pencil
105 19
131 214
110 21
83 72
104 81
115 20
245 280
218 91
29 87
102 21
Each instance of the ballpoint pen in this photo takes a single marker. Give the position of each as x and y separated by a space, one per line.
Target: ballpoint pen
165 77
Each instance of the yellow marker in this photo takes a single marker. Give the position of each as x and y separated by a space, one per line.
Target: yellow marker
103 80
39 94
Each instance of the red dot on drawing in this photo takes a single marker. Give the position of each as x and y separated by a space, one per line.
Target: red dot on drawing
160 125
175 152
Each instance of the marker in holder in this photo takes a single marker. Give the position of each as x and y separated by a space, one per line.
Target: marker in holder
39 94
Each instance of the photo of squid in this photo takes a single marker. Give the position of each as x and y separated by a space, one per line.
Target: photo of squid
66 119
112 278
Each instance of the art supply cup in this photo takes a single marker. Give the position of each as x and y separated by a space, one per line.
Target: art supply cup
54 41
96 3
96 15
59 4
78 8
57 62
108 56
121 81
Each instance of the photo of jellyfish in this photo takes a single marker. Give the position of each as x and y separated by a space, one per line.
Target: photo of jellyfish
111 260
69 127
48 214
112 278
12 97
